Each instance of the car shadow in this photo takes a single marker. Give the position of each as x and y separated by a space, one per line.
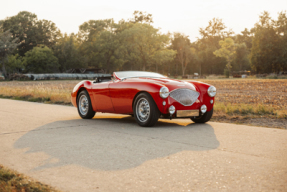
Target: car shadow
114 143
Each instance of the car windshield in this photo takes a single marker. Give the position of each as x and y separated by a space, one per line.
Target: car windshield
128 74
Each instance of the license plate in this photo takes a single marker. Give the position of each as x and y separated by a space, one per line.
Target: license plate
187 113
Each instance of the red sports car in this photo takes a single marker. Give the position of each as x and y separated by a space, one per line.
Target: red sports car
145 95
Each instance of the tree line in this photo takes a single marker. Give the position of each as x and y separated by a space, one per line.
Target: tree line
28 44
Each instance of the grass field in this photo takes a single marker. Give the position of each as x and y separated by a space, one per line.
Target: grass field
237 100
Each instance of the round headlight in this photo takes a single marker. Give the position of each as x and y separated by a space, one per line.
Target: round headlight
211 91
164 92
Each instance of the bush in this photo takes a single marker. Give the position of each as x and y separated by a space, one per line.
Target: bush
41 59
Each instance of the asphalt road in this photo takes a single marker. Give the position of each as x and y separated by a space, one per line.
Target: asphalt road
112 153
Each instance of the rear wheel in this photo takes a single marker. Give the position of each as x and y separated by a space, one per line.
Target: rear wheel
145 110
203 118
84 104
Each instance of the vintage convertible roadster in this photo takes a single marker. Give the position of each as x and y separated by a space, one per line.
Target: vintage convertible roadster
147 96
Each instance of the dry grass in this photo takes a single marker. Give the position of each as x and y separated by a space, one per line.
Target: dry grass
11 181
45 91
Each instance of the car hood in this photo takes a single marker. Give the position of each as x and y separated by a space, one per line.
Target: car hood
171 84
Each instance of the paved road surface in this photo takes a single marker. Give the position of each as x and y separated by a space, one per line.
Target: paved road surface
112 153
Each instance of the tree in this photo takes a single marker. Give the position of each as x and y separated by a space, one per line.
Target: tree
268 53
40 60
133 43
143 43
163 56
89 30
47 33
14 64
101 44
109 51
241 60
7 45
281 31
208 43
245 37
67 52
185 53
91 45
214 32
141 17
226 51
262 44
30 31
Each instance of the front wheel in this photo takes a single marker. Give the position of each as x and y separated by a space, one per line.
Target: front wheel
145 110
84 104
204 118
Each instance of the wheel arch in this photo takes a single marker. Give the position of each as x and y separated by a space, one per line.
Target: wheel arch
133 103
79 91
134 99
83 88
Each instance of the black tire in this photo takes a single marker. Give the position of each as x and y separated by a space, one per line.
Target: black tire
86 112
145 110
204 118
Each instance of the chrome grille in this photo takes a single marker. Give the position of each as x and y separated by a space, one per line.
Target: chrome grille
185 97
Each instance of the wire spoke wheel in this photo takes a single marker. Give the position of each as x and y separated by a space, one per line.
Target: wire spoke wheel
83 105
143 110
85 108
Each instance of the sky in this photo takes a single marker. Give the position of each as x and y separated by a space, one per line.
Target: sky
185 16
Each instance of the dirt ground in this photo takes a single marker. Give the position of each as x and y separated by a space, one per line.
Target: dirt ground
271 92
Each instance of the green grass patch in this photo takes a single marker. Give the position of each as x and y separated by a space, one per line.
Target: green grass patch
28 98
244 109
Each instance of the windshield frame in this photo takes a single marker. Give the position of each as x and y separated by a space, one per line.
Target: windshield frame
142 74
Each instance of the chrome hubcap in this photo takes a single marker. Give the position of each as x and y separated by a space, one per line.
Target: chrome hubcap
83 105
142 110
